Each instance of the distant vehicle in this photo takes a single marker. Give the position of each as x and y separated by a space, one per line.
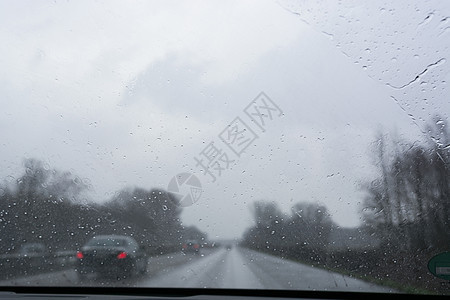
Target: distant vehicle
111 255
191 246
32 249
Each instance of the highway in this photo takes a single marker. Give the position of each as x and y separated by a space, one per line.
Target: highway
222 268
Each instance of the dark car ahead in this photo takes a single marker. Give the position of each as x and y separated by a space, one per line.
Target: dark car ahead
191 246
111 256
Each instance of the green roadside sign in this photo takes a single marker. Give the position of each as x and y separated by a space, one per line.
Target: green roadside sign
439 265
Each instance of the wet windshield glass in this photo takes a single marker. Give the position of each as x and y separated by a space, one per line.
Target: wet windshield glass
297 145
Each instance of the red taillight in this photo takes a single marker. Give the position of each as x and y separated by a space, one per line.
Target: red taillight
196 246
122 255
80 255
184 246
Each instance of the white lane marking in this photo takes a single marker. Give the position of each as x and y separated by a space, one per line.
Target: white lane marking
238 274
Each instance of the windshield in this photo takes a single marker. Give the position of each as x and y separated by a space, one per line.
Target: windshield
274 145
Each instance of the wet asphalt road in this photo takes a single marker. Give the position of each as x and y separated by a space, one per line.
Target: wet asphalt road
221 268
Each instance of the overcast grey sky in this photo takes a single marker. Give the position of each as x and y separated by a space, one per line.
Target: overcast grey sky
128 93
